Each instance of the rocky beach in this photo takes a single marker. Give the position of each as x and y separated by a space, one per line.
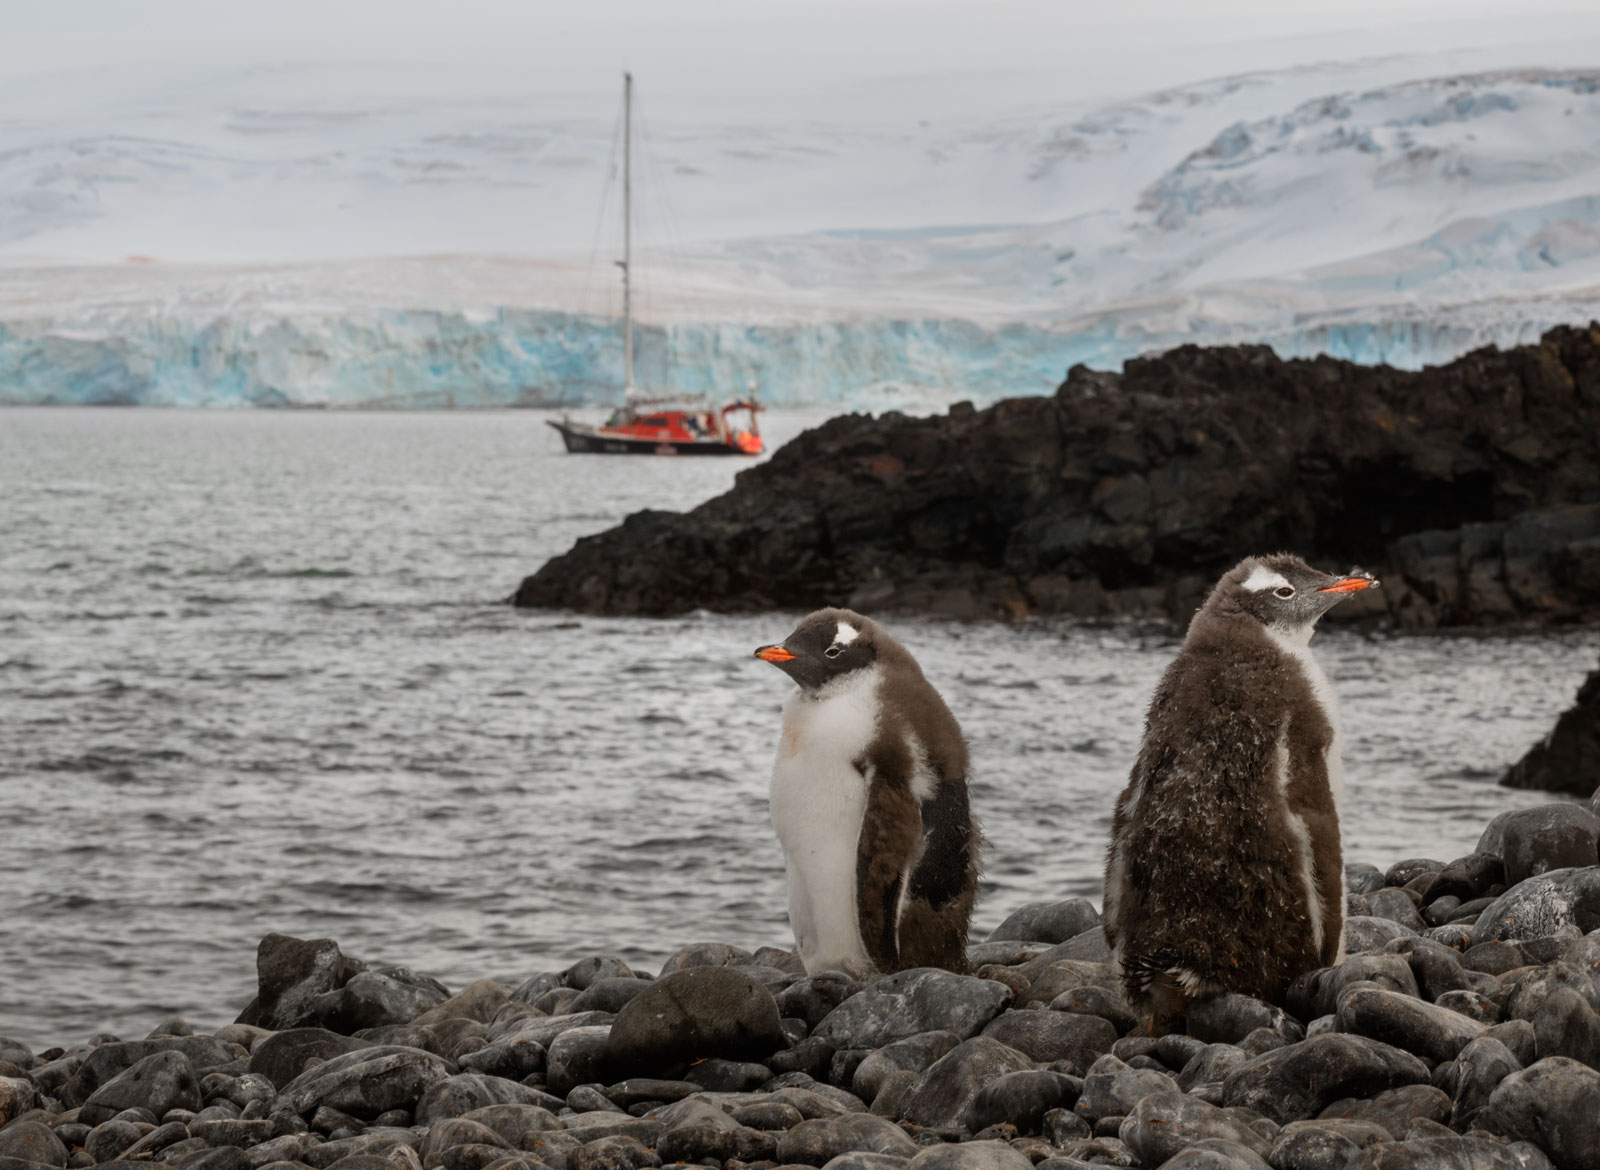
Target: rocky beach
1461 1033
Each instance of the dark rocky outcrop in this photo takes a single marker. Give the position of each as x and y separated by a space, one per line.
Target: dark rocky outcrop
1472 488
1568 760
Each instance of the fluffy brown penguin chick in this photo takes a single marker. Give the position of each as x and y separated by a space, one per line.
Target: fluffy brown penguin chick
1224 871
869 800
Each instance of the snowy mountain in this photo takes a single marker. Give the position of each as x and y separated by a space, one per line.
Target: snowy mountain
1379 210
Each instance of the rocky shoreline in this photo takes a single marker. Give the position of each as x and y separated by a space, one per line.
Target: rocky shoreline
1462 1032
1472 489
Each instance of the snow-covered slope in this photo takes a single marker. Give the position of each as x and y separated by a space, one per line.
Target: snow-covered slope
1379 210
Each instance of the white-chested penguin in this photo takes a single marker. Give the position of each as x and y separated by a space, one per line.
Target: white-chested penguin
869 799
1224 871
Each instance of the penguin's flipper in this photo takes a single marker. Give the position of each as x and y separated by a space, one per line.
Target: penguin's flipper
891 830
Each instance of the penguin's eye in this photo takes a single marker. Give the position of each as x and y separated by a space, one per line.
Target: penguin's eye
833 651
1284 591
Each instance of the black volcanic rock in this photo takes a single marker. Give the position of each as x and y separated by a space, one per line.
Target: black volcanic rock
1474 489
1568 760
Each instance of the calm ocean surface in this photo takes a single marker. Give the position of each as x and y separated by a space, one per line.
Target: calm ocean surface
256 675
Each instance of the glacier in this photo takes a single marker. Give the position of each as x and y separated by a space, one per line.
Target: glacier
1370 210
421 359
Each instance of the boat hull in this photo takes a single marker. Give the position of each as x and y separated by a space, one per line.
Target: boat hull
581 440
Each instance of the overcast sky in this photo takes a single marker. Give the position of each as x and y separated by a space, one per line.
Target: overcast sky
1087 47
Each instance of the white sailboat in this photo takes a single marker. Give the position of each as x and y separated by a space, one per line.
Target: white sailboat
656 425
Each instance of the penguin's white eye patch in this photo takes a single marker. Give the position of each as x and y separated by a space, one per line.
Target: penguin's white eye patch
845 634
1284 591
1262 577
833 651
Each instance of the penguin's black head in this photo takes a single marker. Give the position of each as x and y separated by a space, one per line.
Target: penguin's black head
826 646
1287 595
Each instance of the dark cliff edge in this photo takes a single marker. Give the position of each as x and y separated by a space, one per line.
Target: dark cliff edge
1568 759
1473 489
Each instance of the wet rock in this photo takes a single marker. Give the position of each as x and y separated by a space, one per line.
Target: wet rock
1022 1099
1061 976
1096 1002
593 968
812 1056
588 1098
1323 1144
375 999
1049 922
1049 1036
291 1147
1163 1123
1363 933
233 1131
941 1095
913 1054
1471 1004
860 1161
812 998
329 1120
1467 878
480 1001
1552 836
17 1096
1361 878
1426 1029
608 995
693 1013
613 1153
1398 906
157 1140
1206 1071
366 1082
33 1141
292 974
282 1056
580 1056
923 999
1552 1104
1303 1079
1435 967
1562 901
970 1156
514 1058
159 1082
459 1095
456 1131
1216 1154
815 1142
1317 993
223 1158
107 1060
110 1138
737 1076
705 1131
1229 1018
1395 1109
516 1124
1446 1152
1476 1073
1493 958
1112 1088
1566 1025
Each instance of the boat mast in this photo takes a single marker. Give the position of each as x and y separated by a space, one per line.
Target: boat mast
627 237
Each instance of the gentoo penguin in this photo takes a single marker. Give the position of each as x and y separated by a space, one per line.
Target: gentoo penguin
869 799
1224 871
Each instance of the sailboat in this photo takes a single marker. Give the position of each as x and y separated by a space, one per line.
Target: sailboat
657 425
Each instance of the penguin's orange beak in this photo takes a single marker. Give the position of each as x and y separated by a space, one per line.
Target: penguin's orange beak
773 654
1350 585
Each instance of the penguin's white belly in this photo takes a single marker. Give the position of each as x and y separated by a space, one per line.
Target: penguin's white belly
1334 764
818 801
